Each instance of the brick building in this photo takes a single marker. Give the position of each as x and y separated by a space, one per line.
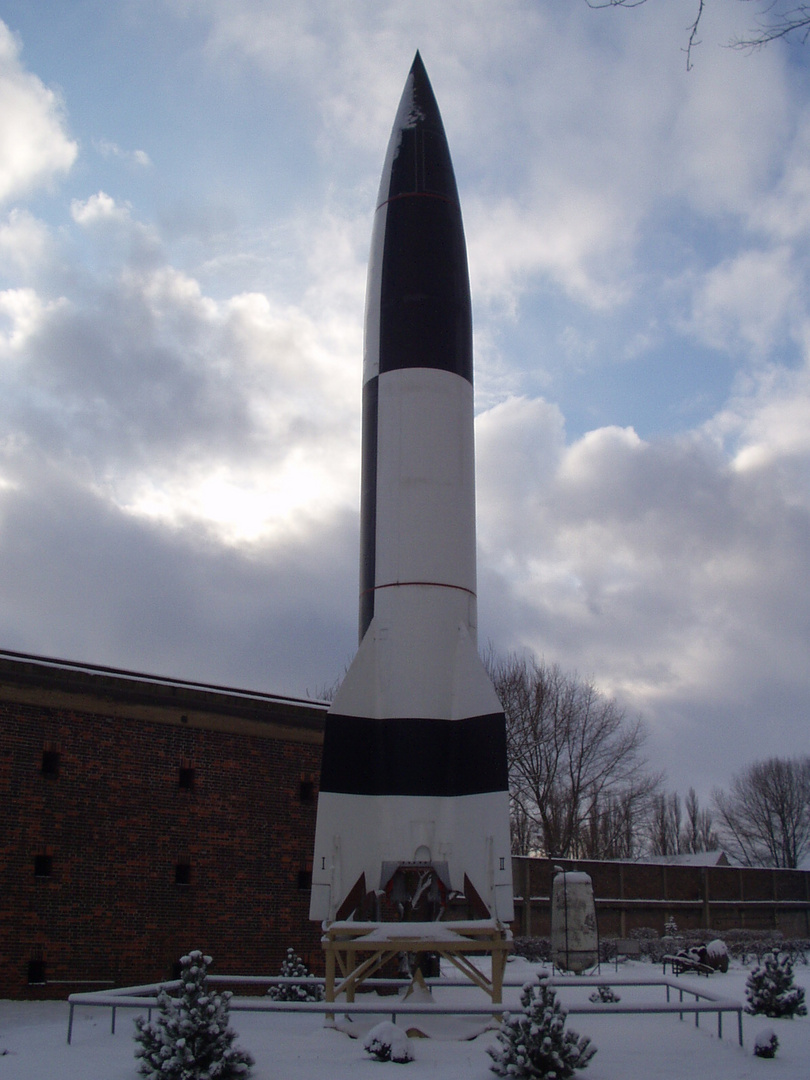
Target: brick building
142 817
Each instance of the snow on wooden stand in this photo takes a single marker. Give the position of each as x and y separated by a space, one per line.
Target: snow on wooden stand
359 949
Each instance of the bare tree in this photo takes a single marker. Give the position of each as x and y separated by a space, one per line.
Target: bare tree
764 820
612 824
578 780
781 23
523 829
669 834
774 19
665 824
698 833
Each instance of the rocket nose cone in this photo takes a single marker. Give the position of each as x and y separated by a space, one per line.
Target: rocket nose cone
418 69
418 158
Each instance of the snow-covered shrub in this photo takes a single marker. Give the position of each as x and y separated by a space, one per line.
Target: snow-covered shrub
798 948
604 995
190 1039
293 967
766 1044
387 1042
670 927
743 944
769 989
534 1045
536 949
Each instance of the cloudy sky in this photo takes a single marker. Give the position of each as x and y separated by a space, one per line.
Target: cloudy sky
187 189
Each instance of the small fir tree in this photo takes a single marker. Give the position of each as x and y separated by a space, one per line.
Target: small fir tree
295 968
191 1039
387 1042
766 1044
769 989
534 1045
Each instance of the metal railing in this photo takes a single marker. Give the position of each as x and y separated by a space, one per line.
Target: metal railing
145 997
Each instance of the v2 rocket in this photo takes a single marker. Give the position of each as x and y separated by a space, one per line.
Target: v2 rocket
413 810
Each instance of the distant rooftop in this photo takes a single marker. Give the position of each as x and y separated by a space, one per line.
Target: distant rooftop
692 858
51 682
158 680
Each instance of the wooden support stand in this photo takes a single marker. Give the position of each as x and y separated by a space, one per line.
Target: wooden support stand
356 950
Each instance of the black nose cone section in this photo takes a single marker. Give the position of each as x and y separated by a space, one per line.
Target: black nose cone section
425 308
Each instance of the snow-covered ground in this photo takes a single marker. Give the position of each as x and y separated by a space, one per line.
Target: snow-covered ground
293 1047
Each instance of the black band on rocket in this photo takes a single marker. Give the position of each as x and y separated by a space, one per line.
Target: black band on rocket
425 312
414 756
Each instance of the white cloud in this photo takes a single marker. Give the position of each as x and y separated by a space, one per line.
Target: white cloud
784 213
162 447
98 208
520 444
109 149
25 314
584 123
729 129
82 579
748 301
24 243
668 570
349 60
566 240
34 147
235 414
766 423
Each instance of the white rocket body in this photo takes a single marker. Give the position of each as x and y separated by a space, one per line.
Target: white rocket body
414 769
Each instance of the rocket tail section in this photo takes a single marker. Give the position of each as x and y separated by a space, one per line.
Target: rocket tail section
421 789
424 835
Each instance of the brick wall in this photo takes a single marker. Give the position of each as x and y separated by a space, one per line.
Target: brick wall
150 838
